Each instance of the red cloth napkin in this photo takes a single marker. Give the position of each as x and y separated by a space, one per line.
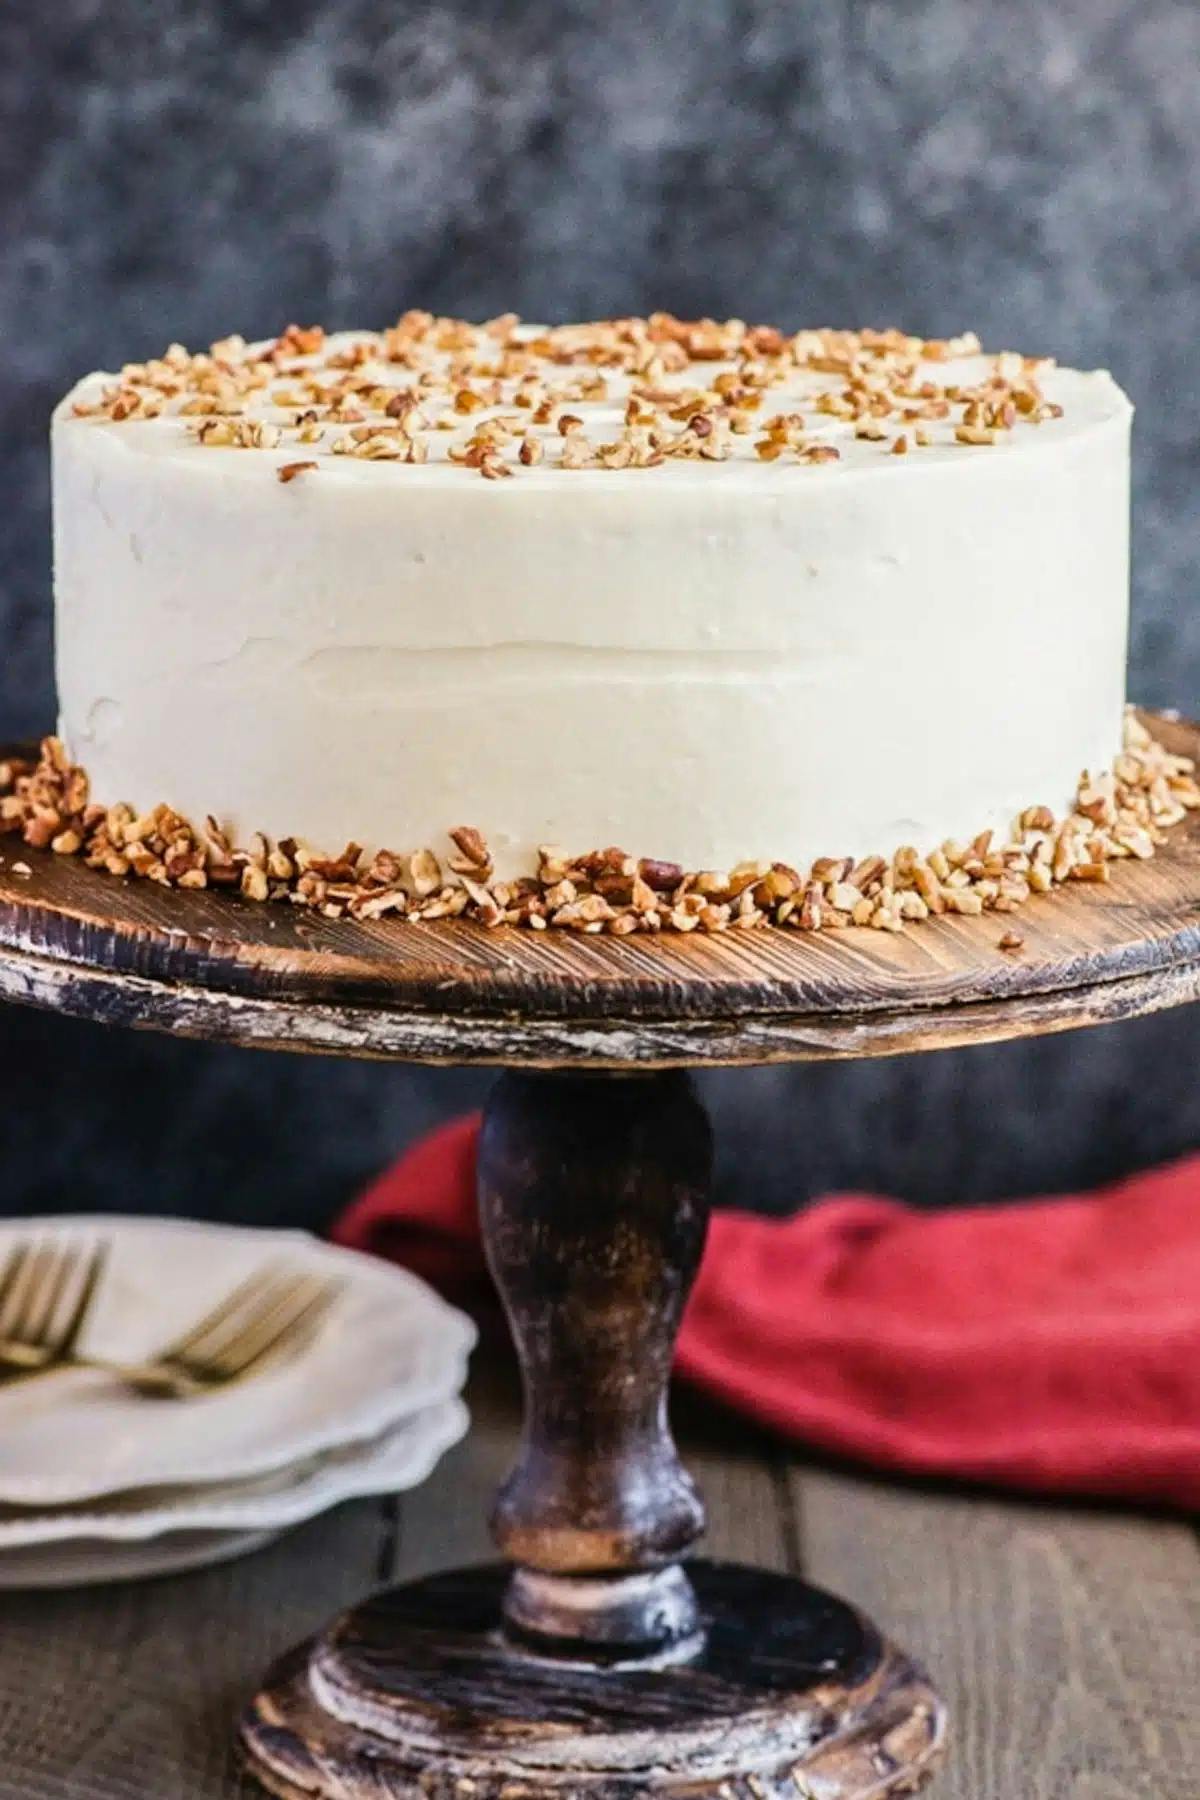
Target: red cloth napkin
1051 1345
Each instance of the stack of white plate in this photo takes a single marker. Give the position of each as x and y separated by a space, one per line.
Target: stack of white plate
100 1484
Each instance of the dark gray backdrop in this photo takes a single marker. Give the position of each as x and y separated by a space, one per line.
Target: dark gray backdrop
178 170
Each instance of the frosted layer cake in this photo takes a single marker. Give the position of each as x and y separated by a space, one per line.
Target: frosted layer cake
697 624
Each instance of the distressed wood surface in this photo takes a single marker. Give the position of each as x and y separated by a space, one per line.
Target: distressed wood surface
211 965
1067 1641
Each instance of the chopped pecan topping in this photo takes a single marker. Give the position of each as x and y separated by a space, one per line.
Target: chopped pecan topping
681 390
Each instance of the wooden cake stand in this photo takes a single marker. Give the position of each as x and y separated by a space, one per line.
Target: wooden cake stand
593 1663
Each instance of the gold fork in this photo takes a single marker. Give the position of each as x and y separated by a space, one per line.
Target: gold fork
46 1294
269 1316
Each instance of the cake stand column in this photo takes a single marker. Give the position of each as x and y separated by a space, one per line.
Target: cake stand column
591 1664
593 1194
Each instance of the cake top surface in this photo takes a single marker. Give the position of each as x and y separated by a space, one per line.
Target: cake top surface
431 399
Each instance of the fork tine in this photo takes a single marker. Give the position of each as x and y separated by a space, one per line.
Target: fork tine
62 1265
266 1326
34 1304
10 1276
259 1325
288 1331
68 1335
220 1315
269 1294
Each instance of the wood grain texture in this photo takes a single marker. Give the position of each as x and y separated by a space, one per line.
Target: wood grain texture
1066 1642
416 1696
131 1692
210 965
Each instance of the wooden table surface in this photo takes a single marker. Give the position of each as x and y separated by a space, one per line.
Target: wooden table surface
1066 1641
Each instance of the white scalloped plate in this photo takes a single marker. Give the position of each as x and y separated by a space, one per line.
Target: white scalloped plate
400 1459
92 1563
389 1348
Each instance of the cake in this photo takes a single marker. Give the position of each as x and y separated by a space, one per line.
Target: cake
774 614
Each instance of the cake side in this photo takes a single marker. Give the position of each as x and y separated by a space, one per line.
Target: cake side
760 653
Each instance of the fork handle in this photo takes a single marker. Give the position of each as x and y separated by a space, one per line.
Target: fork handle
153 1380
149 1378
27 1359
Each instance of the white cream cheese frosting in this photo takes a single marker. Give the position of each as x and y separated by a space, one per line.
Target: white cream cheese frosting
757 655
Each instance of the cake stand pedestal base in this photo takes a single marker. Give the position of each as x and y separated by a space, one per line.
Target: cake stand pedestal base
595 1663
419 1692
